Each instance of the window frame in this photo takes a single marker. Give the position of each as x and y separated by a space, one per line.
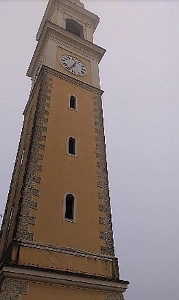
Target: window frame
67 146
22 157
69 99
11 213
64 208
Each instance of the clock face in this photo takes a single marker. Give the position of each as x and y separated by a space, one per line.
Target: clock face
73 65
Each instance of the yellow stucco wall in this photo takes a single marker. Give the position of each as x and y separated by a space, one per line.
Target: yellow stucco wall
66 262
66 174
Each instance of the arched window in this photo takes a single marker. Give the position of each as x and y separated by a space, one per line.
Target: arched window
69 207
74 27
71 146
73 102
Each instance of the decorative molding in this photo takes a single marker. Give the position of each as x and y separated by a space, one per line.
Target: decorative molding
109 288
114 296
72 80
74 43
75 50
64 39
12 289
65 77
103 193
67 250
29 189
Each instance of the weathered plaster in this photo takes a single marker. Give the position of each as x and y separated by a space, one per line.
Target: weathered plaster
11 289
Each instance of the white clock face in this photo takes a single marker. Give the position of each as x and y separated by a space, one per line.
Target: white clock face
73 65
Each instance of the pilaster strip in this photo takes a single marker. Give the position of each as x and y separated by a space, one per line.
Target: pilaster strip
38 138
102 174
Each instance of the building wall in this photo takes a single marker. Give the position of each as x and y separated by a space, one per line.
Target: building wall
63 173
46 292
73 262
50 173
14 196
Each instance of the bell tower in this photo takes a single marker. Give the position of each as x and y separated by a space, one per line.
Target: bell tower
56 236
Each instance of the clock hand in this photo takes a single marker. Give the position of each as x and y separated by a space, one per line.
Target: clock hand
72 66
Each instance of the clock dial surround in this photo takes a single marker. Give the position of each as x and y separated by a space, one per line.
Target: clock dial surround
73 65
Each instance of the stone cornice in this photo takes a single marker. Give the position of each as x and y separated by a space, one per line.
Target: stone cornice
64 38
58 278
73 80
67 5
53 248
64 77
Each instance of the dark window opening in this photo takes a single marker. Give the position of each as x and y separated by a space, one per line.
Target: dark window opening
72 102
74 27
71 146
69 207
10 217
22 157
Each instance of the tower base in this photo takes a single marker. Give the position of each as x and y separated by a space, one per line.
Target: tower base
39 283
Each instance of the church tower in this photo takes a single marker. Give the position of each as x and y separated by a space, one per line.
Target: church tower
56 236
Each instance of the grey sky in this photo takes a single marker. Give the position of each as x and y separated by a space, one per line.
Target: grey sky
140 75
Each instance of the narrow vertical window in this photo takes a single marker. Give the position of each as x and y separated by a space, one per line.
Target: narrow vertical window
10 217
69 207
73 102
71 146
22 156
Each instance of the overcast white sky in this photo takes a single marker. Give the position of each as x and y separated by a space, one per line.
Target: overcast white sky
140 75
